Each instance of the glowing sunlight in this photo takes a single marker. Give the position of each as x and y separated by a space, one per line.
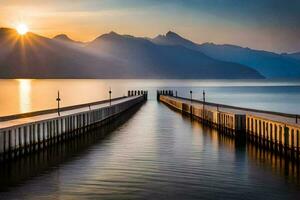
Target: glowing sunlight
25 95
22 29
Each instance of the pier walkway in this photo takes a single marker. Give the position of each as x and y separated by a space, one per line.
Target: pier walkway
278 117
23 133
276 131
85 108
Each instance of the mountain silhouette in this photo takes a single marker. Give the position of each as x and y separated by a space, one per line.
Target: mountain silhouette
269 64
172 38
166 61
67 39
293 55
34 56
108 56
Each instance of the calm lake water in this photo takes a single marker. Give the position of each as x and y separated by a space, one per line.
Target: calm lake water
156 154
19 96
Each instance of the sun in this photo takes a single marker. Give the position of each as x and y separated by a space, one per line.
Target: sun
22 29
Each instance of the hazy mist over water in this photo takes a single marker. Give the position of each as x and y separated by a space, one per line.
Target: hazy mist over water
24 95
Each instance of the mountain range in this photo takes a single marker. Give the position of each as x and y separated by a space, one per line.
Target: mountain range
293 55
269 64
123 56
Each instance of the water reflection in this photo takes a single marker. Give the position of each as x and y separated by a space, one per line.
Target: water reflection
31 95
17 171
25 95
157 154
274 162
242 152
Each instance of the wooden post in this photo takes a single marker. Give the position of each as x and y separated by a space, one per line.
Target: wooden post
58 103
109 96
203 104
286 138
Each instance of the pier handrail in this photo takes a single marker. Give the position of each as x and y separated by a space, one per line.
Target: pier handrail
54 110
241 108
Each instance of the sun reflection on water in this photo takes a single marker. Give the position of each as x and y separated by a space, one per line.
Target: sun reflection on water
24 95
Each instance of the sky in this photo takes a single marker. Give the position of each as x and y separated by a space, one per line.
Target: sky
272 25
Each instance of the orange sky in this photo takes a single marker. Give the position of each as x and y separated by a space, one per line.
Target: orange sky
85 20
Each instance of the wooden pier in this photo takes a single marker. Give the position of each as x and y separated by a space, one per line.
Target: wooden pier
24 133
274 131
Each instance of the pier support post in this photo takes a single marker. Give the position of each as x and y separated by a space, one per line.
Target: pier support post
12 140
158 95
286 138
17 146
2 143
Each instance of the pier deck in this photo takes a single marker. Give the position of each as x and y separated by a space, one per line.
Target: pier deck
278 131
43 117
23 133
278 117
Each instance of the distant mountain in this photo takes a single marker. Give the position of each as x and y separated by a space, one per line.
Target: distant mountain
34 56
293 55
164 61
67 39
108 56
172 38
269 64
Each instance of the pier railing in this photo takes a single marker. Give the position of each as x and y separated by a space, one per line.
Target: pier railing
54 110
276 131
23 133
68 108
288 115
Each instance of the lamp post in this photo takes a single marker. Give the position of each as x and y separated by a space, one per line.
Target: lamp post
58 103
191 93
109 96
203 103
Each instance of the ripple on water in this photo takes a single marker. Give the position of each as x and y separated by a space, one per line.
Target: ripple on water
158 154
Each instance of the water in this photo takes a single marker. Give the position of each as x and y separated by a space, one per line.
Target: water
20 96
156 154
